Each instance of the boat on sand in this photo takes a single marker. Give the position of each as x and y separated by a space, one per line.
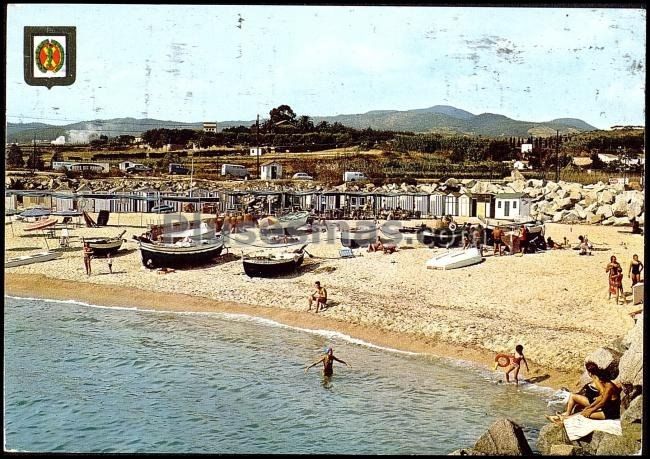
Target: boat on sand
453 259
29 259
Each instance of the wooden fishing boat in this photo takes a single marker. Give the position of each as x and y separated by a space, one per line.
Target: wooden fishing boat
203 231
285 224
102 246
358 236
179 254
273 264
29 259
448 236
454 259
40 224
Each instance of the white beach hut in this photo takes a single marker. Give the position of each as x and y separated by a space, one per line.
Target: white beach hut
512 206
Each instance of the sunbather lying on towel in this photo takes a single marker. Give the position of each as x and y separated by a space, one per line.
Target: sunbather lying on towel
603 403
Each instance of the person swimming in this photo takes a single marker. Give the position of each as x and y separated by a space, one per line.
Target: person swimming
328 362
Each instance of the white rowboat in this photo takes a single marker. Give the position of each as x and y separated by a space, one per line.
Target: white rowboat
29 259
455 259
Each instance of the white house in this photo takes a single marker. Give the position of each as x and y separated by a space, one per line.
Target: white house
526 147
124 165
210 127
512 206
257 151
607 158
271 170
521 165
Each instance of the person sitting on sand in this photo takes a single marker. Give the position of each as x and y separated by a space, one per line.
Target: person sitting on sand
603 403
615 279
319 296
551 244
497 239
376 246
585 246
634 272
516 364
328 363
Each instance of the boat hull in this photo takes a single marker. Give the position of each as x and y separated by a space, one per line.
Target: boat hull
40 224
444 237
159 256
266 268
104 247
29 259
359 238
287 224
455 259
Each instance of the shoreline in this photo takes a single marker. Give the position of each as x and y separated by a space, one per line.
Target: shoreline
111 295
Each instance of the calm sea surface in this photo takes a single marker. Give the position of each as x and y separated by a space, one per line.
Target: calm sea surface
87 379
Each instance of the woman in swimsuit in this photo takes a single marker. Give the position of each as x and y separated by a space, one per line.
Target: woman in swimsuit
615 279
634 272
516 363
606 405
88 254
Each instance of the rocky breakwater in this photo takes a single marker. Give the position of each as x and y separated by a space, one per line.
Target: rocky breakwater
561 202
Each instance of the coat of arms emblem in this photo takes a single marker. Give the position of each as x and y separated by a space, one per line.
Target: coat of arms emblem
50 56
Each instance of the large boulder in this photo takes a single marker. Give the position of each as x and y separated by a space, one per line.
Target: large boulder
631 363
571 217
605 211
607 360
592 218
621 221
634 412
503 438
580 211
517 185
550 435
551 187
634 208
562 193
565 450
620 205
619 445
535 183
605 197
559 216
563 203
590 197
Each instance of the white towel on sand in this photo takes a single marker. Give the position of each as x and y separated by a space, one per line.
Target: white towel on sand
578 426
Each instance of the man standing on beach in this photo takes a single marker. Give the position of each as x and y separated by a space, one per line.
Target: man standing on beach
497 235
328 363
319 296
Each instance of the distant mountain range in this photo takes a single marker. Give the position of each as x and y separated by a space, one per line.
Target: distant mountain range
441 119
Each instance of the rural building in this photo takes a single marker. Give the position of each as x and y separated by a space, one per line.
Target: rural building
482 205
607 158
81 166
521 165
464 205
526 147
451 204
271 170
210 127
437 204
257 151
512 206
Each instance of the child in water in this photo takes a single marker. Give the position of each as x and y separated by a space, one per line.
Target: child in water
516 363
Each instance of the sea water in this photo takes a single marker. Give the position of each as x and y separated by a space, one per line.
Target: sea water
79 378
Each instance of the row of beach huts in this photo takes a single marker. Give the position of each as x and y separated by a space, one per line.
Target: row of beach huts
342 204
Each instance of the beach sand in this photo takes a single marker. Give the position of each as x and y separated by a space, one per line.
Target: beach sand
553 303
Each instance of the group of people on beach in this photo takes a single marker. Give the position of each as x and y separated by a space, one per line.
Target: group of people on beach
615 276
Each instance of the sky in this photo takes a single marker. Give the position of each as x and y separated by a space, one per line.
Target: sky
219 63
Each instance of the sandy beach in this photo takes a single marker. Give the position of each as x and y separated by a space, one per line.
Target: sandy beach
553 303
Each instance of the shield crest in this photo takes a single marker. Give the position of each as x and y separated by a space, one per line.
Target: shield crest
50 56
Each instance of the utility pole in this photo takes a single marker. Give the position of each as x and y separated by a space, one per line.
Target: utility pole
257 144
557 156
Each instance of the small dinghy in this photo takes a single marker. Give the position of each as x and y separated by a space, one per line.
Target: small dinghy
40 224
455 259
273 264
29 259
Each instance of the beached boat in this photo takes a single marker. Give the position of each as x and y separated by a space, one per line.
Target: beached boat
29 259
40 224
450 236
511 231
273 264
358 236
102 246
203 231
286 224
180 254
455 259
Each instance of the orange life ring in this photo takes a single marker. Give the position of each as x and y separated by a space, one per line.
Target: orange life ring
502 360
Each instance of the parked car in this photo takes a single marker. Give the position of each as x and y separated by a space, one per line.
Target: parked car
138 168
302 176
162 209
175 168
